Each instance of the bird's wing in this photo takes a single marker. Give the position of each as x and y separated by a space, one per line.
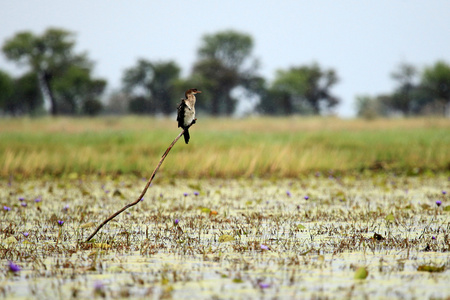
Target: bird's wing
181 109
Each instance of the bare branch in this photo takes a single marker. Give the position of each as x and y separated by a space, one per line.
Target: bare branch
146 186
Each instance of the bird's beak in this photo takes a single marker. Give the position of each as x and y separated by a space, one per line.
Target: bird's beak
198 92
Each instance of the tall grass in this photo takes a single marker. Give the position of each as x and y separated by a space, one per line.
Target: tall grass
282 147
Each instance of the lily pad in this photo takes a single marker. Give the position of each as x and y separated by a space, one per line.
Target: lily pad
101 245
226 238
88 225
205 210
10 240
361 273
431 269
390 218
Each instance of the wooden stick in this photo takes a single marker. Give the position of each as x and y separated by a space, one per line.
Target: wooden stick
145 189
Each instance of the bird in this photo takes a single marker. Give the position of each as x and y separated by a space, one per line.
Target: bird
186 112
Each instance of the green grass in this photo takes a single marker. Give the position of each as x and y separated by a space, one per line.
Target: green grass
264 147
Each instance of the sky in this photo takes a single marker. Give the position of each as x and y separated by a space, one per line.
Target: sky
364 41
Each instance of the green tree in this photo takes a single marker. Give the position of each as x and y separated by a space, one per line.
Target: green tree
436 82
78 92
403 99
49 56
318 85
430 95
20 95
224 63
304 89
27 93
6 89
151 86
288 90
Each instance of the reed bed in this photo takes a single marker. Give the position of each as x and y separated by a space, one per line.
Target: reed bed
223 147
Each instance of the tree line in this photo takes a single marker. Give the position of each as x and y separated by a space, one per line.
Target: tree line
417 92
225 69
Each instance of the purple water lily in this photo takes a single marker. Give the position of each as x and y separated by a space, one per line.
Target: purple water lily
99 288
264 247
98 285
13 267
264 285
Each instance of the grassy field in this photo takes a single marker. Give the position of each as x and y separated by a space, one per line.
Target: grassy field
263 147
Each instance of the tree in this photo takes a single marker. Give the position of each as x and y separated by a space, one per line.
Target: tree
224 63
19 95
49 56
217 82
152 86
304 89
27 95
436 82
78 92
291 87
429 95
6 88
403 99
318 85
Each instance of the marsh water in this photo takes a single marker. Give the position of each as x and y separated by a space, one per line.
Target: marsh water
301 238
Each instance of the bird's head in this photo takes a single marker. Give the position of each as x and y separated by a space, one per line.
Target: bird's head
192 92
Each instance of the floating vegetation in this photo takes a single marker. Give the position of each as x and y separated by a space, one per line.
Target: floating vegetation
313 237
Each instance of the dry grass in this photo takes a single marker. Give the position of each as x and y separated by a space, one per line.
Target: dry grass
281 147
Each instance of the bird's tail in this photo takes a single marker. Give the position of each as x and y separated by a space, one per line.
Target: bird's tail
186 135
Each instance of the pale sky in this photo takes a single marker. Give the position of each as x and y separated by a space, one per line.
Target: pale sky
364 41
